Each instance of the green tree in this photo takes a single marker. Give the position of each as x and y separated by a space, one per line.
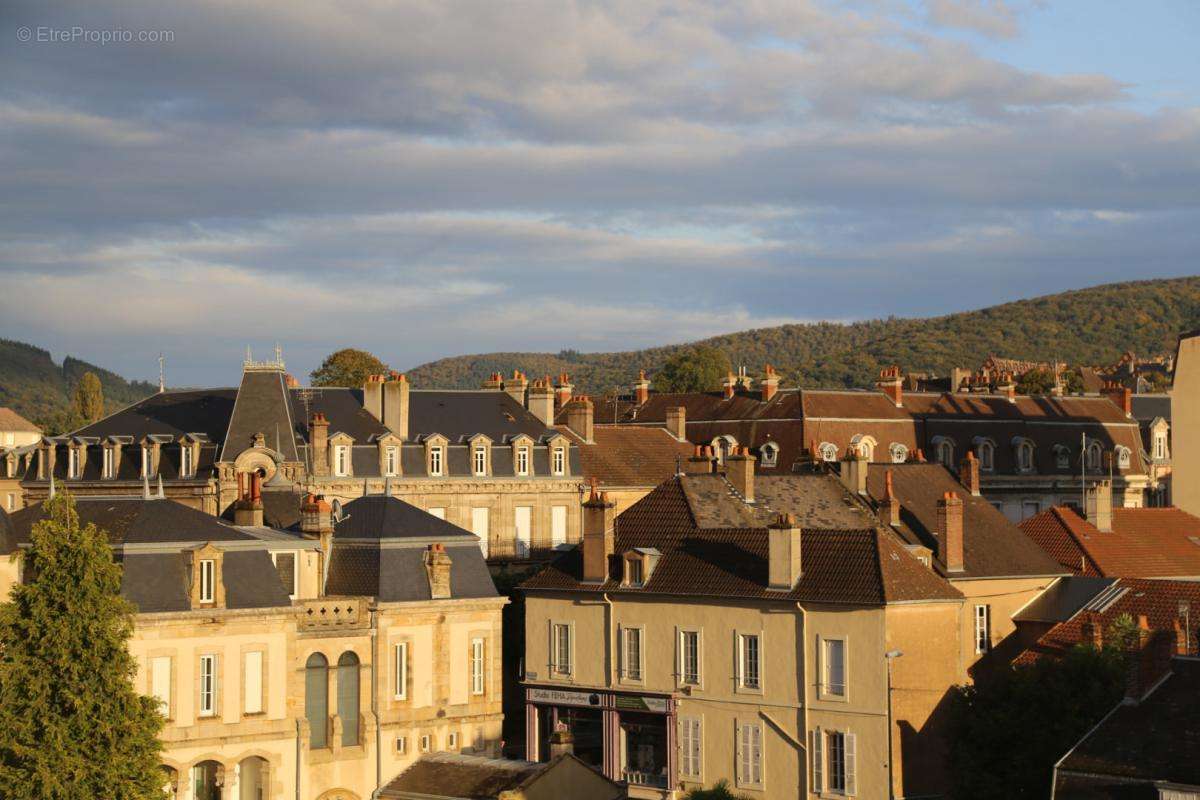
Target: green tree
1005 734
72 726
88 401
719 791
1041 381
348 367
698 369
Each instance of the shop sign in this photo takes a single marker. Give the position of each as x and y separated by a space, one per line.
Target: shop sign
560 697
635 703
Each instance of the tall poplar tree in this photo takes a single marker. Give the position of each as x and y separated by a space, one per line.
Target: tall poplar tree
72 726
88 402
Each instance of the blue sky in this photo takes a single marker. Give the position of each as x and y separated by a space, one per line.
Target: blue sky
425 180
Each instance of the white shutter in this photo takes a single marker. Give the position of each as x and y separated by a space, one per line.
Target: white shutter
756 754
820 666
850 783
524 530
252 679
160 683
742 755
697 745
477 678
558 525
553 649
818 760
479 527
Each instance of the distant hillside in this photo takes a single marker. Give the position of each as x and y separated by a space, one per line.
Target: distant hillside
1089 326
37 388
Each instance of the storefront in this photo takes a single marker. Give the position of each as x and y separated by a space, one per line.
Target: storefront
629 737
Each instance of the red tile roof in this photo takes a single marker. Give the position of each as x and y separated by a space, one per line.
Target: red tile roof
1143 542
630 456
12 421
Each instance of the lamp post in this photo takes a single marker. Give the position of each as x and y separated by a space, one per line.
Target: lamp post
890 656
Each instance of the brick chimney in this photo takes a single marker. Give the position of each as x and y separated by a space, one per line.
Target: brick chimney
1182 645
373 396
318 444
677 422
641 388
563 389
854 471
1098 505
968 473
729 386
541 401
889 506
248 510
739 471
700 462
770 383
1007 387
316 515
289 380
581 419
959 380
1092 630
395 404
744 381
950 531
437 565
1121 397
891 383
784 564
598 535
516 386
494 382
562 741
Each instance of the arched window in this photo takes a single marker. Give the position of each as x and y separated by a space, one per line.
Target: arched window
943 451
828 451
985 451
170 779
347 697
865 445
316 700
899 453
724 446
770 454
252 779
1062 456
1024 453
1123 457
207 780
1095 457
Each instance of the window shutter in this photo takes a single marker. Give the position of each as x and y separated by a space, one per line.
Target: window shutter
743 753
818 760
253 679
160 683
850 782
820 665
553 648
697 745
756 754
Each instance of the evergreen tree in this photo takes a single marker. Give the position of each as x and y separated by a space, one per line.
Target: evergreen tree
348 367
88 402
72 726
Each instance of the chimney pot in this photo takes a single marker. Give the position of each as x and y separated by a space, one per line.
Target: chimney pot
739 471
950 531
598 536
581 418
641 388
891 383
1098 505
968 473
784 562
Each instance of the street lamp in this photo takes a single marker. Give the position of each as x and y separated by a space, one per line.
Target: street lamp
890 656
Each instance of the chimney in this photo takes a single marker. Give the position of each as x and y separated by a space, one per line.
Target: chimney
318 444
598 536
739 471
248 510
729 386
494 382
395 404
744 381
1007 387
580 418
891 383
316 515
784 565
541 401
950 531
968 473
677 422
641 388
854 470
1098 505
889 507
289 380
1182 645
959 379
516 386
437 564
770 383
562 741
1121 397
1092 630
373 396
563 389
700 462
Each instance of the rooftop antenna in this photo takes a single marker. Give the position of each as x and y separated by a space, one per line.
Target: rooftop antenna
279 355
162 384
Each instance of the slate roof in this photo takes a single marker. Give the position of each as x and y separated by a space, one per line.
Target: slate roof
1063 599
342 407
629 456
12 421
1146 407
1155 740
381 517
262 406
459 776
993 547
172 413
1143 542
456 414
856 564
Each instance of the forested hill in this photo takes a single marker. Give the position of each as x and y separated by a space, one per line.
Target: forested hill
1089 326
37 388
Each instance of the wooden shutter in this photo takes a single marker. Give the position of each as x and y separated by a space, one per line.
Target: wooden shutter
850 782
558 525
818 760
160 683
252 680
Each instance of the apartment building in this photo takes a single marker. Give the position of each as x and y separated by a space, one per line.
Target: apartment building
315 663
1185 424
17 439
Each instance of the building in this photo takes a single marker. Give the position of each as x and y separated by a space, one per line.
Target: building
1185 424
1034 451
17 439
451 776
312 663
488 460
1119 542
16 431
761 629
1153 413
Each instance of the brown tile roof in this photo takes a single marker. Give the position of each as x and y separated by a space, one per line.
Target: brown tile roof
12 421
1144 542
851 565
828 403
629 455
992 545
456 775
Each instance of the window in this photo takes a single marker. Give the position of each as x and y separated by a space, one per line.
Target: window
400 671
426 743
1062 456
839 762
749 660
285 566
899 453
480 461
147 462
160 683
983 629
1095 456
480 527
252 680
749 756
72 462
477 664
834 663
12 501
208 685
438 512
770 454
1030 508
435 461
1160 446
633 571
208 570
452 741
560 648
691 747
523 525
558 526
316 700
1123 458
522 460
987 456
866 447
828 451
943 451
1025 455
347 697
341 460
391 459
689 658
631 653
559 461
106 468
401 745
185 462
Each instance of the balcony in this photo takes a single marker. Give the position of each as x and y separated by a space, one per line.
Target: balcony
333 613
653 780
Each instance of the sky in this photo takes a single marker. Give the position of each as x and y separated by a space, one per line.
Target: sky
426 179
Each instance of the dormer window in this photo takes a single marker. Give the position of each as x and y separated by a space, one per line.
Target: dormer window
391 461
341 460
1160 447
634 571
828 451
72 462
943 451
522 460
986 451
479 460
639 564
1024 449
558 462
1062 456
436 454
769 454
208 580
147 461
186 465
863 445
1095 457
1123 457
899 453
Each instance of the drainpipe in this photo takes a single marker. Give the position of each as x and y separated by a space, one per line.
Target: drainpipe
608 648
375 699
297 759
804 691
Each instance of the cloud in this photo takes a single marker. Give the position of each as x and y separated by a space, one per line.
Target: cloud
988 17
